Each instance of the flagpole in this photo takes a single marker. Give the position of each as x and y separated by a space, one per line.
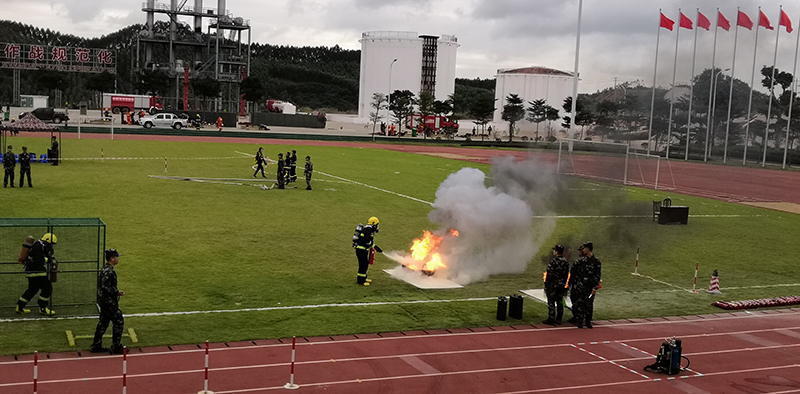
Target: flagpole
691 88
730 94
791 99
672 91
752 88
711 87
653 99
575 78
771 89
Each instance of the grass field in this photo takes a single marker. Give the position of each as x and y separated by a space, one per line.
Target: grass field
189 246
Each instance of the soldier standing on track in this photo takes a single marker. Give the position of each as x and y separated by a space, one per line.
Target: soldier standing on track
24 167
555 281
54 151
260 162
40 261
308 171
108 305
9 162
364 242
587 281
281 172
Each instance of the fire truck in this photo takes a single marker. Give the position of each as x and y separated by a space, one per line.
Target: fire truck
433 122
120 102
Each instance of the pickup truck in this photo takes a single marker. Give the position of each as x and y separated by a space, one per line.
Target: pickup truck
164 120
48 115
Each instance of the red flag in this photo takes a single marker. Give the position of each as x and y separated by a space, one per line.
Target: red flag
703 22
666 22
686 23
744 21
764 21
723 22
785 21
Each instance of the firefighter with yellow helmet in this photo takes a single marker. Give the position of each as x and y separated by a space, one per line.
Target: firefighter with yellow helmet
364 242
38 264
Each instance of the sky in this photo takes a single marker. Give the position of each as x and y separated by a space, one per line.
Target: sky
618 37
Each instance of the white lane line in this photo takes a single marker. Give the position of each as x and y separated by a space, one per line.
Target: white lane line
376 188
272 308
420 365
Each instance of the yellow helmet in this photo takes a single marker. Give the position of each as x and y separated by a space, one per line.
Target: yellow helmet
373 221
50 238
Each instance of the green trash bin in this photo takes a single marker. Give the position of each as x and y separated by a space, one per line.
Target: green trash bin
6 115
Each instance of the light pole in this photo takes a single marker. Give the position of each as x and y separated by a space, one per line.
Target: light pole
389 97
713 112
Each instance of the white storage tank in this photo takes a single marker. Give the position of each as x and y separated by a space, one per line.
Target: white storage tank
379 49
531 83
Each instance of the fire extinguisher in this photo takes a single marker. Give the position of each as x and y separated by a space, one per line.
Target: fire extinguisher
372 256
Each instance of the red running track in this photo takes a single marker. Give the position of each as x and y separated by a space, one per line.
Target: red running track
742 352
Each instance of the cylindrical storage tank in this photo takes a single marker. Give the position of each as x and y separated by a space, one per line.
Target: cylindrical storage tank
446 67
378 51
532 83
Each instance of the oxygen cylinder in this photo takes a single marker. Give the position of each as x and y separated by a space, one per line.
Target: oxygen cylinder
675 358
26 248
357 234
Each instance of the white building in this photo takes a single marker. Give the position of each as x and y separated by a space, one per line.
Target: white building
423 62
531 83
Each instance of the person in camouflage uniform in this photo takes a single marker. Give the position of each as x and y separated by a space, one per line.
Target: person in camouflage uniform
587 281
24 167
308 171
260 162
555 281
108 305
281 172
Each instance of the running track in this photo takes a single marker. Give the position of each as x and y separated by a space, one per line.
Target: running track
742 352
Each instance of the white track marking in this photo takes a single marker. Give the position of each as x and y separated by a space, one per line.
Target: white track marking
376 188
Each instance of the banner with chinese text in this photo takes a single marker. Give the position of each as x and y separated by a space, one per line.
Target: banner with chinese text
57 58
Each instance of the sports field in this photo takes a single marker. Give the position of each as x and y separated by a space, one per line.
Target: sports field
226 261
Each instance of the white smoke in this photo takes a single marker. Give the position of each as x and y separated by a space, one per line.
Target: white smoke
497 231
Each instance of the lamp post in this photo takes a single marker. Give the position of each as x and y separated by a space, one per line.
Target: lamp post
389 97
713 113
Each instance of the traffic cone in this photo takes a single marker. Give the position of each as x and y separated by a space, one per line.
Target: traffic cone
713 287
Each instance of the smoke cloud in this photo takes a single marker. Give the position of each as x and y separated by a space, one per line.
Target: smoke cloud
498 230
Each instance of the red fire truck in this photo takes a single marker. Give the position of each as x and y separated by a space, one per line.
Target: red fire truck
120 102
433 122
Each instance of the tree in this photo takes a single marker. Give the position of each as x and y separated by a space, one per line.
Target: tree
153 82
482 109
513 112
206 87
425 107
607 114
445 109
99 83
378 103
583 113
252 89
402 106
539 111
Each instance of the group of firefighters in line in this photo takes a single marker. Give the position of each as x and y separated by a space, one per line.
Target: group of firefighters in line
287 168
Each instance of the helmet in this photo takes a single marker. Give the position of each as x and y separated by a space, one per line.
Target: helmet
559 249
111 253
50 238
373 221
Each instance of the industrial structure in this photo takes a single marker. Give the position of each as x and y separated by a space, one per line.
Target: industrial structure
185 52
405 60
531 83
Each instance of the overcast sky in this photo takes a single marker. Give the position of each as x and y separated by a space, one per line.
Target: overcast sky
618 37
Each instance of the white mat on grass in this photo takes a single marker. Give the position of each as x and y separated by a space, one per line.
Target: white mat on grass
421 280
538 294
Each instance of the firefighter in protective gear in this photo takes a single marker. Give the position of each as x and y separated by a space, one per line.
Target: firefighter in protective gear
37 267
281 172
364 244
555 281
108 305
260 163
219 124
587 281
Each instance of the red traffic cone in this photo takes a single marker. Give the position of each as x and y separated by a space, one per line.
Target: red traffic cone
713 287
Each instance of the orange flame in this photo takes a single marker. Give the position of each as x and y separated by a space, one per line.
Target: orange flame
423 251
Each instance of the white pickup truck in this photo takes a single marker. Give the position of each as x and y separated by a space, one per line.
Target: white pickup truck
164 120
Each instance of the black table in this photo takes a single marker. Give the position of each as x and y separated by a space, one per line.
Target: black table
673 215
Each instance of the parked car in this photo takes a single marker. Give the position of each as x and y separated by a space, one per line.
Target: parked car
48 114
164 120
